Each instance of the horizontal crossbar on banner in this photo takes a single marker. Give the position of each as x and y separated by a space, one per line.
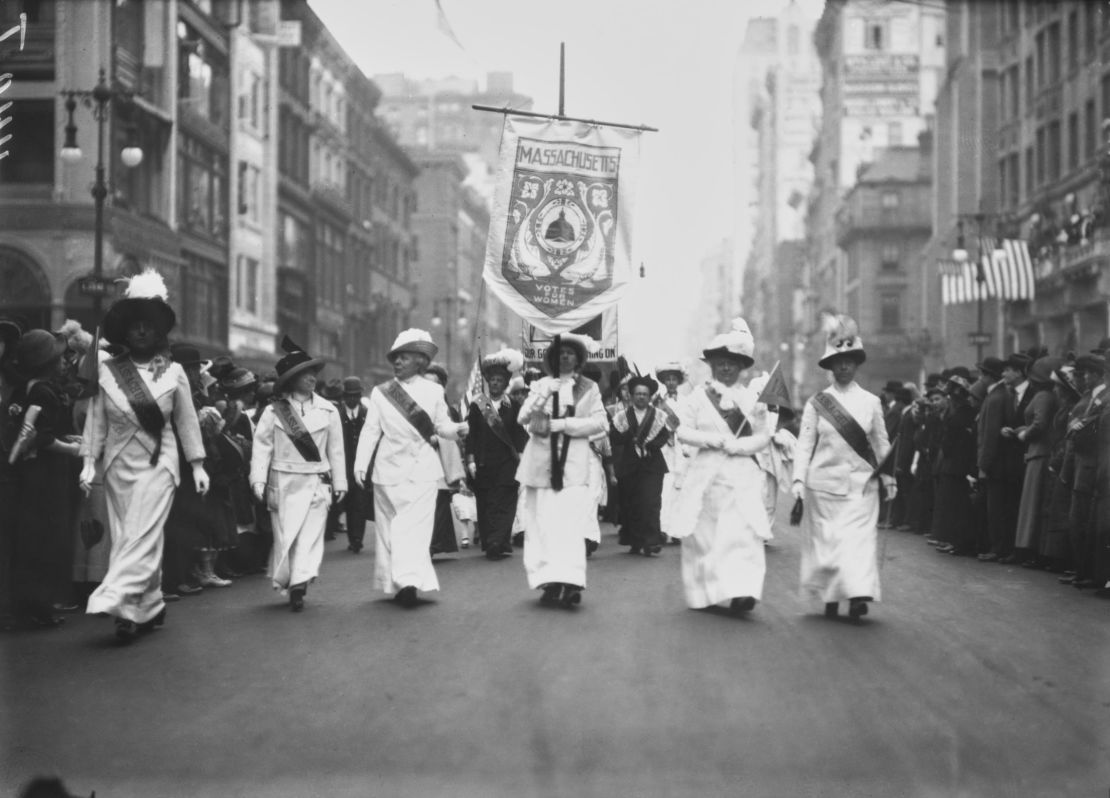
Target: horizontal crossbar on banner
510 111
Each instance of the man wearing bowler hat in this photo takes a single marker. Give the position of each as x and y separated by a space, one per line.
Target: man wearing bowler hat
356 505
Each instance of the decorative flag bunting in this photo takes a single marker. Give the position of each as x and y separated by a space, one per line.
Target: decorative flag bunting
1007 272
559 250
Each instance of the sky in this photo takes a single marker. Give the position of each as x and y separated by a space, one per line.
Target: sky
668 64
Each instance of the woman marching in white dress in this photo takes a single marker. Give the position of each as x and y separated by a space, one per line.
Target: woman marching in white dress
841 445
298 469
562 412
719 514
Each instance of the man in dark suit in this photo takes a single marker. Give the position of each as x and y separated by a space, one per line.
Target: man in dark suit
894 398
1013 450
357 504
990 457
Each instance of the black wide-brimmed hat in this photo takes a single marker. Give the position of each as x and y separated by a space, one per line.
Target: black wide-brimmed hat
237 380
959 378
1090 363
296 362
144 299
992 366
645 380
36 349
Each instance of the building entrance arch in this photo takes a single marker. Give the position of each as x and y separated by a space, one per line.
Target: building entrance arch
24 289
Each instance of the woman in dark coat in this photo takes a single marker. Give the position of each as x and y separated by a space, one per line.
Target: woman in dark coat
640 431
1034 434
46 475
952 511
1054 548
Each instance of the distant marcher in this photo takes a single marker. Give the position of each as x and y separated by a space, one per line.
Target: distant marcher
358 505
641 432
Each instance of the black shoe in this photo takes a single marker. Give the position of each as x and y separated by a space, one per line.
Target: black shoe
1083 584
45 620
857 608
1066 579
158 620
1011 559
169 596
406 596
126 631
550 595
354 548
650 550
572 596
742 605
296 598
493 555
634 550
832 609
591 547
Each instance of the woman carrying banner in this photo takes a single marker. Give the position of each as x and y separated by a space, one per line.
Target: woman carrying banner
561 413
397 453
841 445
296 464
143 407
719 515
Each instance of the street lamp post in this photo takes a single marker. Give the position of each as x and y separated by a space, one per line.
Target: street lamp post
99 100
980 337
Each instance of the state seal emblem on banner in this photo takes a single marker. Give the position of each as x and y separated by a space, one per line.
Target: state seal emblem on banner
561 227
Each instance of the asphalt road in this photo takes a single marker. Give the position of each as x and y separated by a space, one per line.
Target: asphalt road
969 679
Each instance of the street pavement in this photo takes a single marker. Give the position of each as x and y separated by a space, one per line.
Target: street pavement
968 679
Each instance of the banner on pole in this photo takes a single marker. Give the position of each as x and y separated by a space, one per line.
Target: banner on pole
603 329
559 250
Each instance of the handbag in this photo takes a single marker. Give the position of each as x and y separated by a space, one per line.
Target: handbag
92 532
796 513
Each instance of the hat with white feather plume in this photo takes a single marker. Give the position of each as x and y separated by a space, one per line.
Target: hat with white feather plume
843 340
145 299
507 361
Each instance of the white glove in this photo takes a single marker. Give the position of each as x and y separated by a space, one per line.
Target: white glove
891 487
783 437
259 491
462 430
200 479
557 424
88 472
798 489
360 479
734 447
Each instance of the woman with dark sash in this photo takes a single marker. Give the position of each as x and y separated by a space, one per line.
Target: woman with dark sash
143 400
720 516
298 469
561 413
842 442
641 432
493 452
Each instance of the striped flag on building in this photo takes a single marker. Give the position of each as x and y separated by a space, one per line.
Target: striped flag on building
1008 268
1007 273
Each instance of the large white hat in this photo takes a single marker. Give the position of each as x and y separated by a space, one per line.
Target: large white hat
738 343
416 341
843 339
671 367
508 360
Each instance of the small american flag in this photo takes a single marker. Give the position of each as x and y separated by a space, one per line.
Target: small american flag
474 386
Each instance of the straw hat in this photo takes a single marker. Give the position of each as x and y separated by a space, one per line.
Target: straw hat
843 339
415 341
738 344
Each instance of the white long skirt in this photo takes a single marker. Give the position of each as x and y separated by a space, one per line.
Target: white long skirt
723 558
839 546
299 506
556 524
139 499
404 519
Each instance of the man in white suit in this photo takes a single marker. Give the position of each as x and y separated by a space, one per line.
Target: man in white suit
398 448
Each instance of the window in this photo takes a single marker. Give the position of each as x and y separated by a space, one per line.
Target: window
1004 179
294 246
874 35
1015 179
1030 183
890 311
203 303
1030 86
246 284
1054 152
30 150
1041 72
251 102
1073 41
894 134
1073 141
202 194
890 200
1090 129
203 83
250 194
1053 54
889 256
1090 29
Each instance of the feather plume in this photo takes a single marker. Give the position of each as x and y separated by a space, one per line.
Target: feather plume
147 285
511 359
77 338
